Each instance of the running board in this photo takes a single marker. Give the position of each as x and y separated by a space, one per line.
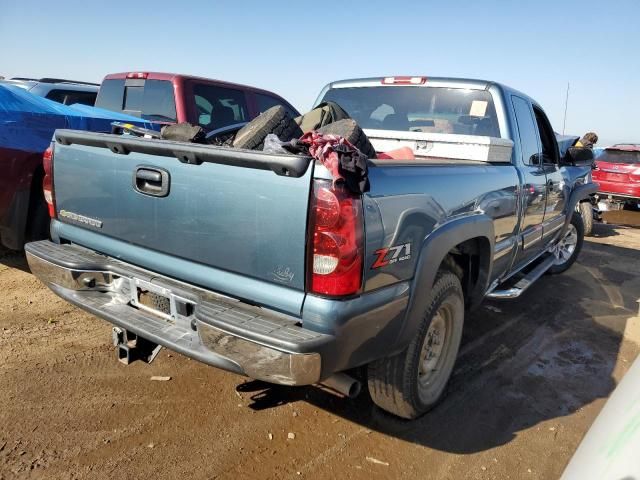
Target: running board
524 283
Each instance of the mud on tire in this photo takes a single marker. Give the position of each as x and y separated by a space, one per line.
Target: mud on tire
350 130
276 120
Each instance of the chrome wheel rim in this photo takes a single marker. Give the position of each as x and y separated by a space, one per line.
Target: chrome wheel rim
431 355
566 246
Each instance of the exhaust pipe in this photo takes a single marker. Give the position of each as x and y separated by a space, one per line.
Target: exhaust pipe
344 384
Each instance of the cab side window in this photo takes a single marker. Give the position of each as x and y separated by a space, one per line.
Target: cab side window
219 107
549 149
527 131
265 102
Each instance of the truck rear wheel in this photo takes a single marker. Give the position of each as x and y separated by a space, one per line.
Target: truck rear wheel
413 381
276 120
38 221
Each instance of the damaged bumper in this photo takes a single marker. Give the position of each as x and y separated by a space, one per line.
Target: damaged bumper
214 329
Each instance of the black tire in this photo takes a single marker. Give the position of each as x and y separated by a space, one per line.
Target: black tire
396 384
350 130
566 259
276 120
633 205
38 221
586 211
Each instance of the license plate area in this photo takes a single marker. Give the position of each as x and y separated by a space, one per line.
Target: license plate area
161 302
616 177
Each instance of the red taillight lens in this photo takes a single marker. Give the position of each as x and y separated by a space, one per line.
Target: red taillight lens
336 241
47 181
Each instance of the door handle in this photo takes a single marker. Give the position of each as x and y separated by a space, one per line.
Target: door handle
151 181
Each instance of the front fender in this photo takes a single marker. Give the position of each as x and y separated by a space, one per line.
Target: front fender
432 253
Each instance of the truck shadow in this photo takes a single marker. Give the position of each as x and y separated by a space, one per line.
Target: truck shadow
521 363
13 259
604 230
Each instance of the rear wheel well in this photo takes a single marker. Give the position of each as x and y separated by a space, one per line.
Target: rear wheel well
470 261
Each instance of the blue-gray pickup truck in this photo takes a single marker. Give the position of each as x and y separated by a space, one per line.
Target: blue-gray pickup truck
263 265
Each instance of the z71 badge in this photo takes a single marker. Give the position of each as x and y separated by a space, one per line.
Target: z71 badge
391 255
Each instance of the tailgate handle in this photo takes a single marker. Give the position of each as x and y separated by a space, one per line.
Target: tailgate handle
151 181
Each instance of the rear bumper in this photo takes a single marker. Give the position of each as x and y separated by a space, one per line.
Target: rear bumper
216 330
619 191
620 197
222 331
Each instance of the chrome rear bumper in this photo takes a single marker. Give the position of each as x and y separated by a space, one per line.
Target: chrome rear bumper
203 325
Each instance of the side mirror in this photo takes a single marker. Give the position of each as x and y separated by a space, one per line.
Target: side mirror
578 157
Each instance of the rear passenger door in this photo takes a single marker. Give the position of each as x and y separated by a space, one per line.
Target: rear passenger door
534 183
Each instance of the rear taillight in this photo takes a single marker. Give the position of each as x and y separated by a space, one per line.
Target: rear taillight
47 181
336 240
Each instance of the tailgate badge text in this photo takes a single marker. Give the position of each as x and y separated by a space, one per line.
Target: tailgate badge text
92 222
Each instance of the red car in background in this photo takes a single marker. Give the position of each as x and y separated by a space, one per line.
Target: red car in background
618 173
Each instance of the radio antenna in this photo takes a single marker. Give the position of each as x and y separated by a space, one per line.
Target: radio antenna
566 104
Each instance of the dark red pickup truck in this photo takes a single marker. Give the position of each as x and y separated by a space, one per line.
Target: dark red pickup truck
173 98
155 97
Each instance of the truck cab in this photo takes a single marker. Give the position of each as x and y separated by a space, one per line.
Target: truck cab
422 112
174 98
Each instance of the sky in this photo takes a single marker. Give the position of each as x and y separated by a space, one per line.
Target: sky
295 48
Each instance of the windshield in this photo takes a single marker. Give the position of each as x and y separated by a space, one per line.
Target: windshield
620 156
419 109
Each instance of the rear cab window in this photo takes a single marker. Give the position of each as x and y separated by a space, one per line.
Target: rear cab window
419 109
214 107
110 95
149 99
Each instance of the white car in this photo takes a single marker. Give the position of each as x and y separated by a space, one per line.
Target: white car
611 447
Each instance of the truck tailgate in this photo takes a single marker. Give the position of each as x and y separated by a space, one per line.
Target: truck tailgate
237 219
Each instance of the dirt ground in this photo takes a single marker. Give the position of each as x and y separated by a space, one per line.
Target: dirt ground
532 376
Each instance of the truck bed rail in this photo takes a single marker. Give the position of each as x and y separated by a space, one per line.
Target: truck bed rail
283 165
